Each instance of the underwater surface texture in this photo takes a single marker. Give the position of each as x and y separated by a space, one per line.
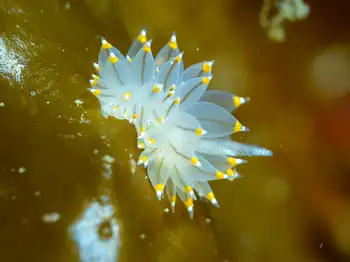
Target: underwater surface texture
70 187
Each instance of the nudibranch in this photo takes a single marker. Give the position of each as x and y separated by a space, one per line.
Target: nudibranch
183 128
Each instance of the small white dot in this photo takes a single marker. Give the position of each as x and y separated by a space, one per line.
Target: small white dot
51 217
78 102
67 6
21 170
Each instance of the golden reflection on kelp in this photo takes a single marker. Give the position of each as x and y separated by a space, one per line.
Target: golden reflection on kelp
96 232
12 61
305 220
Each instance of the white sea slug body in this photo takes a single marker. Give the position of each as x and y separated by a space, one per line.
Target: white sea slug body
183 128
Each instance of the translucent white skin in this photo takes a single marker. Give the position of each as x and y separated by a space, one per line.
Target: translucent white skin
183 127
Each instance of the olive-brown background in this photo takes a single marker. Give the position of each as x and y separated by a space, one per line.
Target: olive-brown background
294 206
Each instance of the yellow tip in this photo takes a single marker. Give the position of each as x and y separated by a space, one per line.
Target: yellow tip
238 127
178 59
232 161
173 199
94 81
95 76
135 116
188 189
205 80
172 44
142 38
116 108
146 48
194 161
189 202
156 89
97 67
236 101
151 141
210 196
160 120
126 96
230 172
113 59
177 100
159 187
199 131
206 68
143 159
220 175
106 45
96 92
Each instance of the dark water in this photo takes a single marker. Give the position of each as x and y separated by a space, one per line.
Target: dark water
66 173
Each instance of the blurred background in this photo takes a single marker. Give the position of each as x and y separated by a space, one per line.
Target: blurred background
69 189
